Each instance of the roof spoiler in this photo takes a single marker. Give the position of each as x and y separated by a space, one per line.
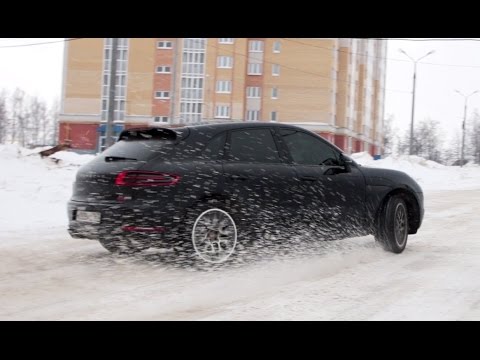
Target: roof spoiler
152 134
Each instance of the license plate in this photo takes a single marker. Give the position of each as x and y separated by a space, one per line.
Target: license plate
88 217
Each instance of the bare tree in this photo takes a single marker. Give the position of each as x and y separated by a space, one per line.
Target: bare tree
3 117
474 143
52 123
427 141
18 117
38 121
452 153
388 139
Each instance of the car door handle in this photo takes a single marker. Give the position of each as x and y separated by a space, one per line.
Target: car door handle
238 177
308 178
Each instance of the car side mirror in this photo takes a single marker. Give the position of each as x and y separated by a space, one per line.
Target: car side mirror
347 161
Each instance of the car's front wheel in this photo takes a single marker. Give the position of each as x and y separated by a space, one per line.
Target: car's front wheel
392 225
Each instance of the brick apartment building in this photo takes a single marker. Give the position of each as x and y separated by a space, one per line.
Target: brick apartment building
334 87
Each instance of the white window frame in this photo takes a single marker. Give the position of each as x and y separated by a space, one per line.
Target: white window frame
224 62
120 79
225 40
163 44
275 93
252 67
253 115
255 46
222 112
253 92
274 114
224 87
161 119
277 46
162 94
275 70
162 69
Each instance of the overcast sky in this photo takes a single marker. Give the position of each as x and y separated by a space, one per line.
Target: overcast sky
38 70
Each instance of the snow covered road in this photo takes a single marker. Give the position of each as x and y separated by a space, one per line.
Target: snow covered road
46 275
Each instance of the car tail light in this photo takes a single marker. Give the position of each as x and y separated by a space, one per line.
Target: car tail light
145 178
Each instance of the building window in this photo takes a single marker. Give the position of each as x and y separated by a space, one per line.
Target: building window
222 111
192 83
255 46
164 70
274 93
253 115
254 69
194 44
225 40
164 45
120 79
225 62
224 86
273 116
162 95
276 46
192 89
253 92
161 119
276 70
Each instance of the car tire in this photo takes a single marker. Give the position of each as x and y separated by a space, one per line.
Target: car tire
392 225
122 246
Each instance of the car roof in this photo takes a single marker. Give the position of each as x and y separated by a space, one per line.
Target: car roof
215 128
240 125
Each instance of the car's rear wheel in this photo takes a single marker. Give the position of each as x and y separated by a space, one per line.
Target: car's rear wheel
392 226
214 236
209 234
122 246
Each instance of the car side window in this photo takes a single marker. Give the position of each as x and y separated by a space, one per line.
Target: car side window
306 149
253 145
215 148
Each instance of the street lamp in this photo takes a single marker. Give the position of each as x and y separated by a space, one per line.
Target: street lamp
464 121
413 93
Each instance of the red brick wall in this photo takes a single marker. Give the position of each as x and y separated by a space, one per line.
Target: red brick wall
341 141
162 82
328 136
82 136
131 126
358 146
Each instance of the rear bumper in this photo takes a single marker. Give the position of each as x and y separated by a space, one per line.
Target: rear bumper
145 222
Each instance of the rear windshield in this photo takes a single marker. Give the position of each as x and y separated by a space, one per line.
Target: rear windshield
144 145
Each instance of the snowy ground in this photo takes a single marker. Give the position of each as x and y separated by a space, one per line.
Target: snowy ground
46 275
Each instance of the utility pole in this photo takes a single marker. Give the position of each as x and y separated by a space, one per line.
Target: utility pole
413 93
463 131
463 124
111 95
410 152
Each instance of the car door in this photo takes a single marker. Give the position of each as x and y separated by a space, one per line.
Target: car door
334 192
257 177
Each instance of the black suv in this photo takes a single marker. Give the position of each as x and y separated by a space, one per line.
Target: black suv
208 188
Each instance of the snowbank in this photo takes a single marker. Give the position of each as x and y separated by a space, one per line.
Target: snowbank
71 158
34 191
429 174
